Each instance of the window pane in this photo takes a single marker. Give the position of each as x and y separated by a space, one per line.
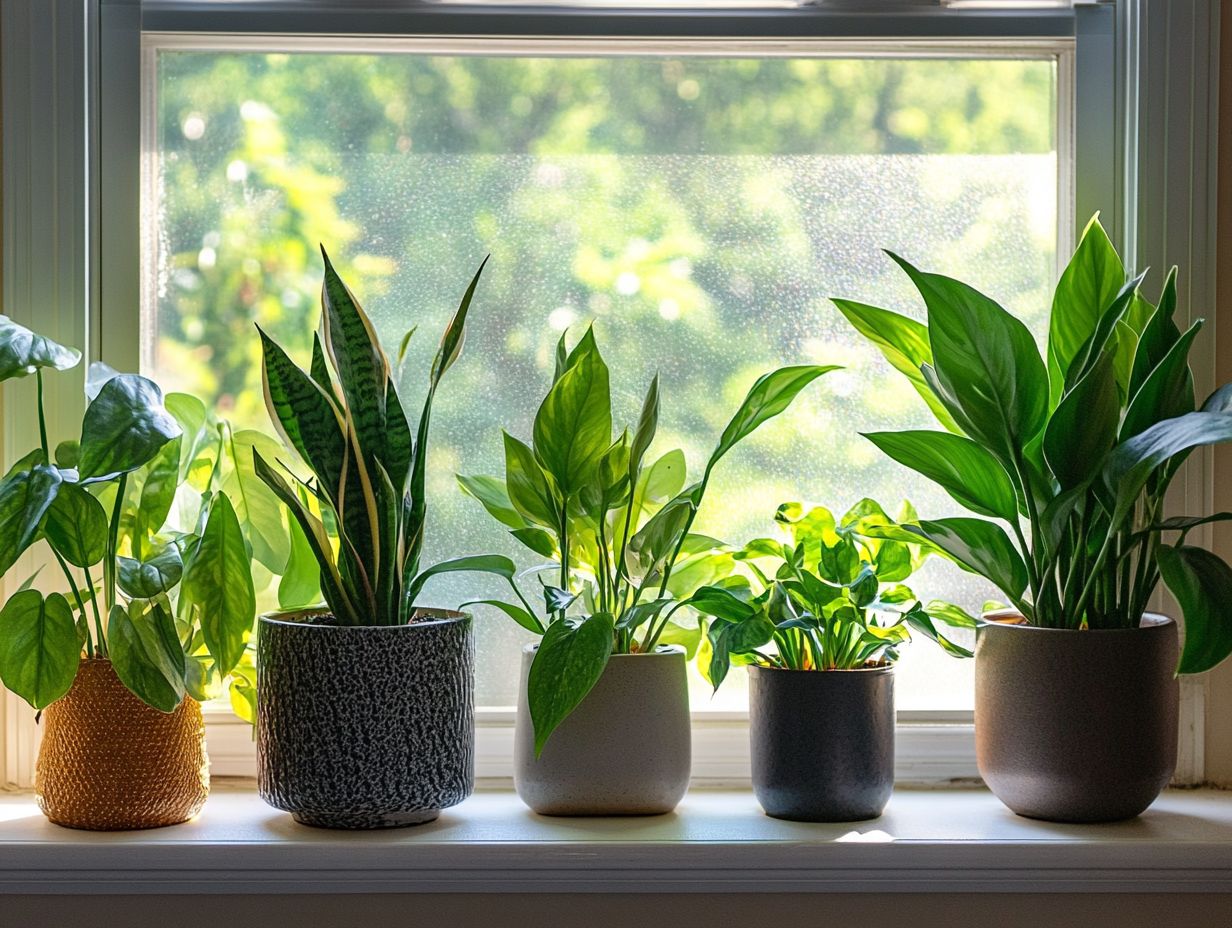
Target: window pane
698 210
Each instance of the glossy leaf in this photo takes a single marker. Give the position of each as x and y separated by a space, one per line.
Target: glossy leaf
218 583
124 427
1166 392
141 655
569 662
1202 584
527 620
1083 428
529 489
573 426
491 493
23 352
496 564
982 548
25 498
770 395
155 576
39 648
76 526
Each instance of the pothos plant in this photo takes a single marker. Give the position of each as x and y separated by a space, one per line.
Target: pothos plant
827 596
362 514
617 529
171 608
1072 450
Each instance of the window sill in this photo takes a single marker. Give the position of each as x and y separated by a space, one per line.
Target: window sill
948 841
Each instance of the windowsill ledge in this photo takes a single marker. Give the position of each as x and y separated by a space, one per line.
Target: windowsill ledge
946 841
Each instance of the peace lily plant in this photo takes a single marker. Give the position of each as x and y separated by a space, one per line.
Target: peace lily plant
171 609
1072 451
616 527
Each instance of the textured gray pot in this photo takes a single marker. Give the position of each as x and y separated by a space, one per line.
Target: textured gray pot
822 742
625 750
1076 726
365 727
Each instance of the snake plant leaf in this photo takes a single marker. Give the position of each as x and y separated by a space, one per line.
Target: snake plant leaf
904 343
23 352
1083 427
573 426
39 648
156 576
964 469
982 548
139 643
569 662
1167 391
399 446
987 361
770 395
1202 585
124 427
76 526
1088 286
192 416
25 498
318 370
218 583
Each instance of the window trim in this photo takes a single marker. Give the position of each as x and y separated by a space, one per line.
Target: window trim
1151 197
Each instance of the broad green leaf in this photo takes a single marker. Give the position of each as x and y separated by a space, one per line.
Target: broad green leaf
770 395
573 426
656 541
569 662
982 548
191 414
124 427
527 620
720 603
496 564
138 646
904 343
76 526
155 576
1202 584
25 498
1105 338
1166 392
951 614
1083 427
972 476
39 648
1089 284
300 584
256 506
988 362
159 481
528 486
922 622
491 493
23 352
218 582
538 540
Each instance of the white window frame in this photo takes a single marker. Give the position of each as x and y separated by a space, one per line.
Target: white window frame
1142 149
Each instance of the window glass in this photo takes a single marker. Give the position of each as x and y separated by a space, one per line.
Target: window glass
698 210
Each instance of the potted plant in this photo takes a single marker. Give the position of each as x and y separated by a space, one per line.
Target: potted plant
603 715
1074 451
155 617
819 620
364 705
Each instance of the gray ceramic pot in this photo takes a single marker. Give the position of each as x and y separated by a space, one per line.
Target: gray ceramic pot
626 748
1076 726
822 742
365 727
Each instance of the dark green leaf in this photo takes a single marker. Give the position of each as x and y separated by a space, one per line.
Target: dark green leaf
23 352
39 648
301 578
529 489
541 542
720 603
155 576
67 454
920 620
137 646
982 548
218 582
636 616
124 427
454 334
644 432
569 662
76 526
528 621
972 476
1202 584
1158 336
1083 427
25 498
1166 392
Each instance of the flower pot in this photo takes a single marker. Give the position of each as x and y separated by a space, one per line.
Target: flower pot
367 726
1076 726
109 762
822 742
625 750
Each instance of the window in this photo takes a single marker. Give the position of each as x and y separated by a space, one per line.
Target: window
697 208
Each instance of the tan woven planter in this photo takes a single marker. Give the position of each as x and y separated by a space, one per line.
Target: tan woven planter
109 762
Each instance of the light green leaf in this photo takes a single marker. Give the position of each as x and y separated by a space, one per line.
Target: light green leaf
569 662
301 578
573 426
527 620
39 648
138 645
218 583
770 395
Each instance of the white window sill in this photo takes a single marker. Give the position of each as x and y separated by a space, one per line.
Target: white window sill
945 841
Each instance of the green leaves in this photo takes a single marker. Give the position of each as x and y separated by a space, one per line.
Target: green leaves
982 548
124 427
573 426
770 395
1202 584
1083 428
496 564
25 497
218 585
23 352
39 647
156 576
146 654
569 662
531 491
966 471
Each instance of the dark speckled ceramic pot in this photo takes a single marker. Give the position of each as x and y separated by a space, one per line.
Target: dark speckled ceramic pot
365 727
1076 726
822 742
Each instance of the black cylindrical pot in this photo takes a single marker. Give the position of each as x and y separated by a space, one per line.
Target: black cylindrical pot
367 726
1076 726
822 742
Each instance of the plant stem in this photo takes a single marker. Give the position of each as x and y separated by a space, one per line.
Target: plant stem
113 534
38 376
81 606
98 619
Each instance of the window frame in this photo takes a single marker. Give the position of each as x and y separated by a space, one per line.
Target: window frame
1113 119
